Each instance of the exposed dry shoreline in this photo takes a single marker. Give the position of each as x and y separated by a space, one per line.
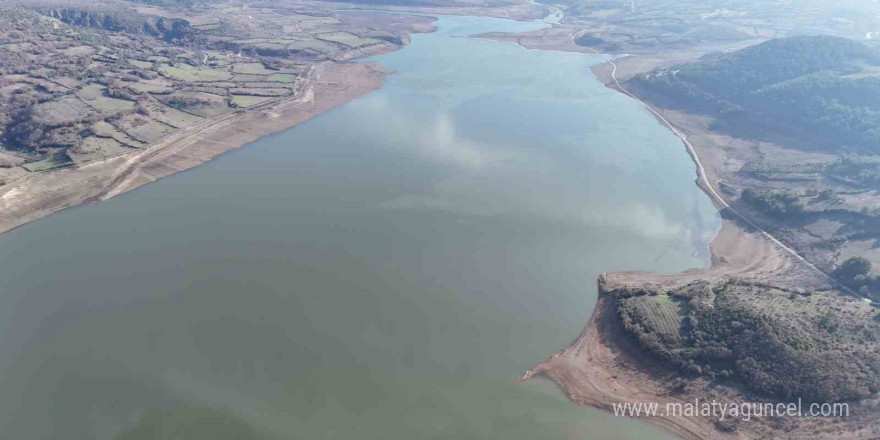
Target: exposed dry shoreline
332 84
603 366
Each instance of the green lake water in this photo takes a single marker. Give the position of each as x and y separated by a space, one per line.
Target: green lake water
384 271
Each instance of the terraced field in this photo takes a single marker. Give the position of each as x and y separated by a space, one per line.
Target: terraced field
659 314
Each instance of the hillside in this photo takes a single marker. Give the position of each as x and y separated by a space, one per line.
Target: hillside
86 81
798 121
818 92
819 347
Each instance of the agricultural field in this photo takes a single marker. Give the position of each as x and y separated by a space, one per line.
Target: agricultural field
661 313
251 68
248 100
83 81
346 39
190 73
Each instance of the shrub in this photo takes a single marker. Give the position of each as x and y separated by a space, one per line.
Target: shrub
778 204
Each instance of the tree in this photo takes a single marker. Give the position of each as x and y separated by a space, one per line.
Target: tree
853 270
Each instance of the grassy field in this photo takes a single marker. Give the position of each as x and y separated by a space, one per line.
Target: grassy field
54 160
200 103
106 129
96 148
314 45
186 72
63 111
169 115
91 91
281 77
142 87
143 128
248 100
659 313
251 68
347 39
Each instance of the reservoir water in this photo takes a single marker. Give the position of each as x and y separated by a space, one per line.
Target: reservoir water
384 271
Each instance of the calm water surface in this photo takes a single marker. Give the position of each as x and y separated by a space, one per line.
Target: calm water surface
385 271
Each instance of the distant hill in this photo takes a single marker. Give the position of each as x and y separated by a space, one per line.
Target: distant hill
822 92
114 17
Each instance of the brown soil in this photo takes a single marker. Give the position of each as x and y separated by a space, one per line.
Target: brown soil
331 84
604 366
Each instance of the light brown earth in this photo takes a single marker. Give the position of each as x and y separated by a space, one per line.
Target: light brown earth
331 84
603 366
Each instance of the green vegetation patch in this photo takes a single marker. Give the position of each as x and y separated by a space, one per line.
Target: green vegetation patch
819 347
347 39
855 272
56 159
143 128
106 129
778 204
186 72
171 116
313 45
282 78
248 100
91 91
801 88
63 111
94 95
251 68
96 148
111 105
262 91
142 87
859 169
200 103
658 314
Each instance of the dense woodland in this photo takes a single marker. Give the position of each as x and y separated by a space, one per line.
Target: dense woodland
820 91
814 347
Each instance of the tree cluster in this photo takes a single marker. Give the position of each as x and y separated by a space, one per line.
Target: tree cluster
799 87
778 204
855 272
726 340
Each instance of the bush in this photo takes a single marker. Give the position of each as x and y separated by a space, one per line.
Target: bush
778 204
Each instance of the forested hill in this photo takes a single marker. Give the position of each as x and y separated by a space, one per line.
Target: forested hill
822 91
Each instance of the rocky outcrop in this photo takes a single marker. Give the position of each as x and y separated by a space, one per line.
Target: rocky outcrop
167 29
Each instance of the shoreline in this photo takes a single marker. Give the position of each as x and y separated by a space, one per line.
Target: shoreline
603 366
332 84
